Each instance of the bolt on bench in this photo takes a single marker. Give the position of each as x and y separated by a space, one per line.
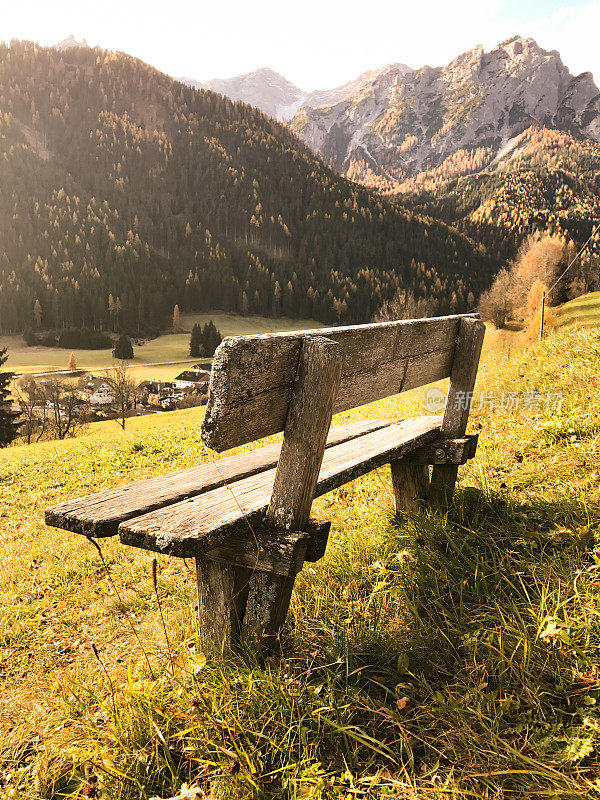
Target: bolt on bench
246 518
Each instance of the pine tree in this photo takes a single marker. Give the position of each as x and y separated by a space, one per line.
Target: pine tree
9 427
72 363
196 341
211 339
123 349
176 319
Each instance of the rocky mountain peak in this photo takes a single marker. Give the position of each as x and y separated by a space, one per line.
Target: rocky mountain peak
264 88
395 122
279 97
70 41
474 105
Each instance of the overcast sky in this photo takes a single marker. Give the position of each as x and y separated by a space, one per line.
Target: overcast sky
314 43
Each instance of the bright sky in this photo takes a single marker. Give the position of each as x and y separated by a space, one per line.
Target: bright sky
314 43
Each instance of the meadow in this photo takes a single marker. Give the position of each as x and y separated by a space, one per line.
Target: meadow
584 311
169 347
426 656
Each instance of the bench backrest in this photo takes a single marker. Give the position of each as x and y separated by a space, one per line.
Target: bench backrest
253 376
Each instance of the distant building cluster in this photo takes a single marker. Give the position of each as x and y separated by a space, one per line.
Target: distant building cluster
97 391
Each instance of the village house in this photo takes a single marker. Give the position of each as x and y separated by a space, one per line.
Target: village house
96 391
193 379
157 393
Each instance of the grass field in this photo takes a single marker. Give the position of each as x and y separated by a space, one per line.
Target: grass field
425 656
583 311
169 347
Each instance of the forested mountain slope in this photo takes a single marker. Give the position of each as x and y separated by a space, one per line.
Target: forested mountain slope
546 181
123 192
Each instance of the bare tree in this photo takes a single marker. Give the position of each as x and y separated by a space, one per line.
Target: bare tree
31 400
498 303
64 407
120 379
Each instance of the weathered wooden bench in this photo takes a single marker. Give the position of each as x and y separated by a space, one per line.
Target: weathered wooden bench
246 518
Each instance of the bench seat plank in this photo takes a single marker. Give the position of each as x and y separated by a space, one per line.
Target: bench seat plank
189 528
100 514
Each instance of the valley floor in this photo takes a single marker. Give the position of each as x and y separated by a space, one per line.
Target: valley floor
424 656
166 351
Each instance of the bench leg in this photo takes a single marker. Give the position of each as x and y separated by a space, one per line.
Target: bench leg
443 479
222 595
411 485
266 609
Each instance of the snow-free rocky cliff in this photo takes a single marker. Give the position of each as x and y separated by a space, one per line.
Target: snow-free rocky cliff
398 121
275 95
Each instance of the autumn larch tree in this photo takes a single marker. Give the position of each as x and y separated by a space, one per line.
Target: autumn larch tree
72 363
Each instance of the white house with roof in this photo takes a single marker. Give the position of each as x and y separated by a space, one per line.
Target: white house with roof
96 391
193 379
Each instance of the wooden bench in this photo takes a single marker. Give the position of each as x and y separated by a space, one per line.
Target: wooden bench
246 518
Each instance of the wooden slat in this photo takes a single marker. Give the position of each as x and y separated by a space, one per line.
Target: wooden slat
307 423
99 514
189 528
252 376
306 428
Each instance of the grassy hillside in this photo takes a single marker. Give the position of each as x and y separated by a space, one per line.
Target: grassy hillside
424 657
583 312
169 347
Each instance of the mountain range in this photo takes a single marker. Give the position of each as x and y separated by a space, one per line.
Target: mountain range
392 124
280 98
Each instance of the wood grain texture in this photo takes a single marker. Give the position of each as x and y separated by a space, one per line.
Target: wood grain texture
253 376
100 514
234 581
307 422
456 415
193 526
410 483
222 597
306 427
266 608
